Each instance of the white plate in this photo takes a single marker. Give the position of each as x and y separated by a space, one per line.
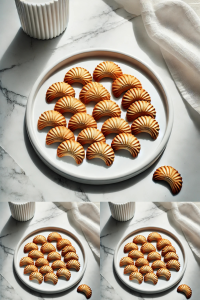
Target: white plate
48 287
148 287
95 171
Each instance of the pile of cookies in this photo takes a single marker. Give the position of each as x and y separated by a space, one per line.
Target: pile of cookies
136 100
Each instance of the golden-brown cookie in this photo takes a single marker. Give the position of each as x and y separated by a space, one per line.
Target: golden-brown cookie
51 277
124 83
78 74
153 256
81 121
45 269
173 264
90 136
30 246
73 149
127 142
145 269
146 124
73 264
54 236
47 248
101 150
130 268
35 254
115 125
139 239
147 247
151 277
167 249
59 134
106 108
29 269
141 262
154 236
158 264
96 94
135 254
107 69
130 246
135 94
51 118
170 255
36 276
39 239
70 255
163 243
53 256
70 104
164 272
84 288
184 288
63 272
171 176
62 243
58 90
136 276
139 109
126 261
58 264
68 249
86 88
41 262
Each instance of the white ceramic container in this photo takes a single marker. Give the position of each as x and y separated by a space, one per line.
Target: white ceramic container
22 211
43 19
122 211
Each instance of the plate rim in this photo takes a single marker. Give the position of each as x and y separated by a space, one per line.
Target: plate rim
47 228
85 179
137 230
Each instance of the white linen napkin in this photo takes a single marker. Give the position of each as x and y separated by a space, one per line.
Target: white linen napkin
175 27
87 215
187 214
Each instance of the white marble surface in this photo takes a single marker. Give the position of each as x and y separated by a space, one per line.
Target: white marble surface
47 214
92 24
146 214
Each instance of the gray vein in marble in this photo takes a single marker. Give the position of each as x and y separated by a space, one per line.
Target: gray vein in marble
107 250
107 291
12 97
6 250
82 195
7 292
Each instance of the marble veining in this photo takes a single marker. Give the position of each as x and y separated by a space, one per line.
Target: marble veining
7 291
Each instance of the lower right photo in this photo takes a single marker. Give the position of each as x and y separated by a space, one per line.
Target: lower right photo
150 250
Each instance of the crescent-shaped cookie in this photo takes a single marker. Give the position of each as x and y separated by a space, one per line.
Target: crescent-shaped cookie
45 269
54 236
51 277
59 134
68 249
106 108
136 276
63 243
133 95
158 264
170 255
173 264
124 83
130 268
90 136
115 125
84 288
35 254
53 256
141 262
164 272
154 236
151 277
86 88
126 261
139 109
78 74
73 149
36 276
73 264
70 255
127 142
167 249
146 124
41 262
101 150
30 268
39 239
81 121
171 176
63 272
58 264
147 247
47 248
107 69
130 246
184 288
135 254
139 239
51 118
58 90
96 94
30 246
145 269
153 256
70 104
163 243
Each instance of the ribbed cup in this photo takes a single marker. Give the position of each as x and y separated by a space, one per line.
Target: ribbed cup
22 211
43 20
122 211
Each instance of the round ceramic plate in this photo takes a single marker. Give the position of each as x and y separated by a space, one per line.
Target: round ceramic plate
149 287
49 287
95 171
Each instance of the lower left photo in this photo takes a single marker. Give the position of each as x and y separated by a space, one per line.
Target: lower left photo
49 250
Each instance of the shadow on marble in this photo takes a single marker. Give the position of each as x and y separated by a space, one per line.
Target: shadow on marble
193 114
